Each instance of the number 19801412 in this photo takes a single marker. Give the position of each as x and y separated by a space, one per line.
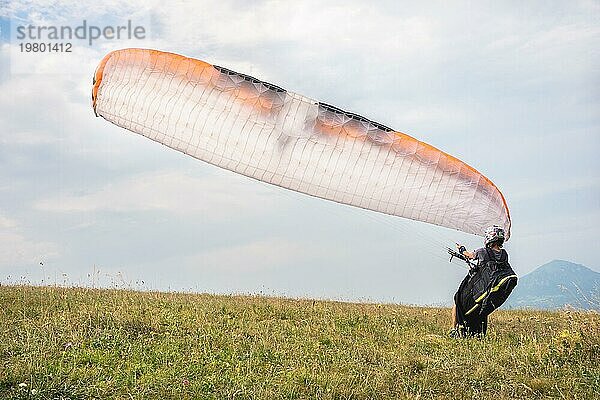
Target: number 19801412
35 47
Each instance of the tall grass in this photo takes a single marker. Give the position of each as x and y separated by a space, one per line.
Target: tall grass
83 343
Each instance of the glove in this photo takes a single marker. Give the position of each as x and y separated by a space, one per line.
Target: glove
461 249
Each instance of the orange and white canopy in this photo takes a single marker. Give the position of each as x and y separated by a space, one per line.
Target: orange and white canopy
263 131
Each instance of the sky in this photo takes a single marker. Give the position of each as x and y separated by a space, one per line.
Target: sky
512 89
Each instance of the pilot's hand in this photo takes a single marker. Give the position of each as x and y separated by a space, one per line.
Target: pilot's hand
461 248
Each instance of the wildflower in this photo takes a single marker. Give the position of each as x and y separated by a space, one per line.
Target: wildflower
185 382
22 385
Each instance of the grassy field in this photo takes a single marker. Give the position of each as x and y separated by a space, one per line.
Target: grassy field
82 343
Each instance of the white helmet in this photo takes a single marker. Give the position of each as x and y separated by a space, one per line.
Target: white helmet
494 234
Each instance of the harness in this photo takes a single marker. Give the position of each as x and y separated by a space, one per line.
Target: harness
486 288
493 281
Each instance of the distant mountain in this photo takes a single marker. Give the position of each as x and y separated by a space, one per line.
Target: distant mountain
555 285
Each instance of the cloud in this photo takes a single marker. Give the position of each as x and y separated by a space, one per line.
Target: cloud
540 189
16 249
170 191
298 23
39 11
31 109
6 223
249 257
511 91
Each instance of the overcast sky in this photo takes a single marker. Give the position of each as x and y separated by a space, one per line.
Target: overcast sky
512 89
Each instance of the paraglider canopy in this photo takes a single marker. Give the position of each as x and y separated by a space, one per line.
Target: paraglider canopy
260 130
